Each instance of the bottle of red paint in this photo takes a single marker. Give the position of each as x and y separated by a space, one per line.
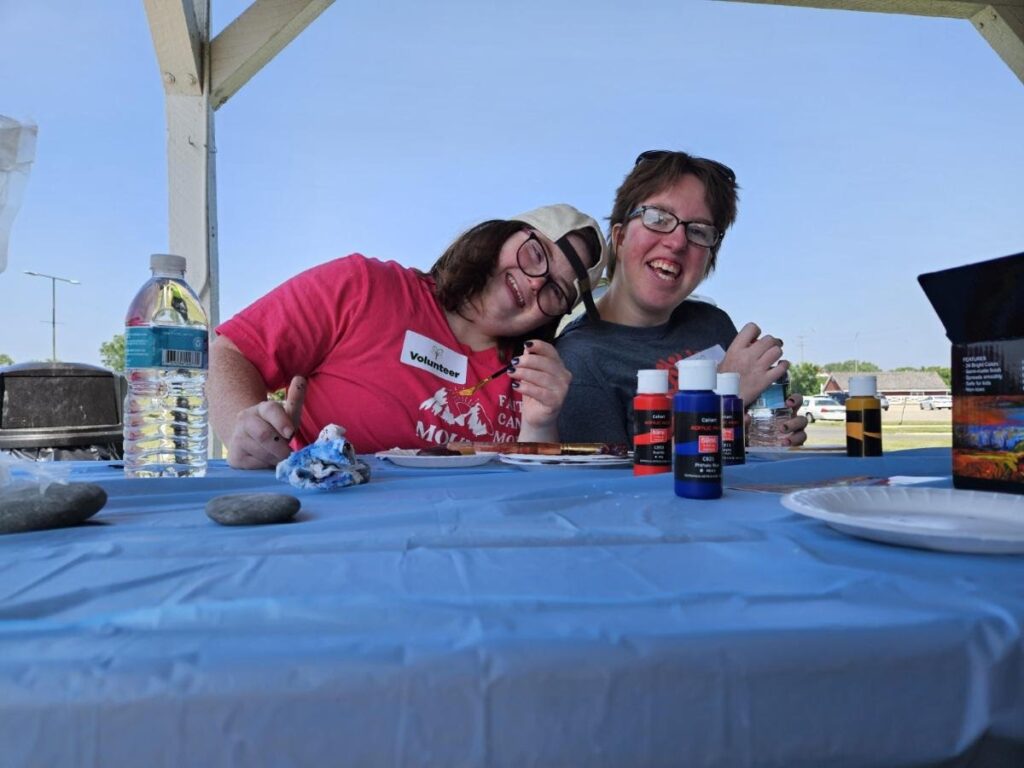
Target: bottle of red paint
652 424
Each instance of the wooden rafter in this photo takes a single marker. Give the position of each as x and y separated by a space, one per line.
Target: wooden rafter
1000 23
253 39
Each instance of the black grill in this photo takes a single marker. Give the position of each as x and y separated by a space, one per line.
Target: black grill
61 410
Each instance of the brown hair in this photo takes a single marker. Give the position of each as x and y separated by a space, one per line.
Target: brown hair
656 173
462 271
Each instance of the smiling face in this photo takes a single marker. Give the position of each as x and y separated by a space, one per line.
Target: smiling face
508 305
655 271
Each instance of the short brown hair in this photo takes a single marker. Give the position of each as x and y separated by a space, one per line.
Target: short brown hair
654 174
462 271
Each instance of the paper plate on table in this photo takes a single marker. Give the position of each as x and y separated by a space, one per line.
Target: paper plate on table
410 458
929 518
590 461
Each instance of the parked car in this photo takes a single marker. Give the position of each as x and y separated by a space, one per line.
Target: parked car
885 402
817 407
839 397
935 402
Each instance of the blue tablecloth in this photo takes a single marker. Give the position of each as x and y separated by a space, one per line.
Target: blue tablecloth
494 616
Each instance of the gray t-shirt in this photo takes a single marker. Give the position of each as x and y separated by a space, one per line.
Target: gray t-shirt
604 358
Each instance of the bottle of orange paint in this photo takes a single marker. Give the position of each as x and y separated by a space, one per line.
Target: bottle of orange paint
652 424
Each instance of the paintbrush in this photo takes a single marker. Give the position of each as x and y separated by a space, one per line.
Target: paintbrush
467 391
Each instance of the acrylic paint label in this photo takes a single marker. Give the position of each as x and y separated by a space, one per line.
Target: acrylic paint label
863 426
652 439
698 454
733 442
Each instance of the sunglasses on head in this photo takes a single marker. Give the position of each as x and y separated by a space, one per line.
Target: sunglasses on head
657 154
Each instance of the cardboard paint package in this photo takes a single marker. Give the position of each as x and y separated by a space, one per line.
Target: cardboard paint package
982 308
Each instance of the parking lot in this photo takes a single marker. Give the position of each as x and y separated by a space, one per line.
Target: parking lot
912 413
903 427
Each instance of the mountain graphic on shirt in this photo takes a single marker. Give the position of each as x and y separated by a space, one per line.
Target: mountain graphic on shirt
460 413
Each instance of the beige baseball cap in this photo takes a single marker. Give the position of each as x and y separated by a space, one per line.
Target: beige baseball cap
555 222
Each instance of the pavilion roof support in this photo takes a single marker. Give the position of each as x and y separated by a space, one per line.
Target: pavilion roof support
1000 23
199 75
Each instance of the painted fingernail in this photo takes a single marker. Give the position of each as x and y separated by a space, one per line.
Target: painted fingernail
511 369
515 361
515 385
528 344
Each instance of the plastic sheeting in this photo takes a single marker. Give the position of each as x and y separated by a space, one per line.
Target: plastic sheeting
493 616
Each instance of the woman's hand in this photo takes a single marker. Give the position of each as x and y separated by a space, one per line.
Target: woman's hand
262 431
796 426
543 382
756 359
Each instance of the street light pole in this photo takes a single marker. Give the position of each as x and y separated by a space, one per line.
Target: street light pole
53 305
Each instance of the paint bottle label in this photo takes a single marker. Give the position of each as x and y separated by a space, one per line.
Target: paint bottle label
698 452
652 438
733 441
863 426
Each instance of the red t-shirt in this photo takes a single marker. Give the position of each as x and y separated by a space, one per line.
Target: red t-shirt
379 357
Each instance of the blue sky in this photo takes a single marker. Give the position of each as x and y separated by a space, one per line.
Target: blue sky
869 148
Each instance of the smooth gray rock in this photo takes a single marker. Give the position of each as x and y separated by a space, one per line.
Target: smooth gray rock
252 508
25 508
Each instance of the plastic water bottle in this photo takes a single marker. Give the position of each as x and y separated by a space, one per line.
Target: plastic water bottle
166 425
767 415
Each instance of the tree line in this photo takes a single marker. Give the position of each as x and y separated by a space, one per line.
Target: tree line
803 377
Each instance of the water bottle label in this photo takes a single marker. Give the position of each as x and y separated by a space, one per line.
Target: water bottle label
166 347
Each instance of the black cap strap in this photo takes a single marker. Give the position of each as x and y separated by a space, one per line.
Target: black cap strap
582 276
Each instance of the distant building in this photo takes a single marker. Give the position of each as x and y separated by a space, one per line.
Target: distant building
892 384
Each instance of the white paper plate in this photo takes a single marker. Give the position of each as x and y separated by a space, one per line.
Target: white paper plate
534 461
931 518
405 458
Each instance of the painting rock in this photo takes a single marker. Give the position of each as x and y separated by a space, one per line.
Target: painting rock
30 508
252 508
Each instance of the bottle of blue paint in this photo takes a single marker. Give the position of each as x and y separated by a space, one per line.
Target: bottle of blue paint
733 441
697 426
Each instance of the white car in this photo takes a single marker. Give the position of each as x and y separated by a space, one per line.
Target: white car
935 402
817 407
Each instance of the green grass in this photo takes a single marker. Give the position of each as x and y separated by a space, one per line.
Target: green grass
895 437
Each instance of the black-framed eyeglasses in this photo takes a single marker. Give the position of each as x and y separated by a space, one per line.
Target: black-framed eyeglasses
664 222
657 154
532 258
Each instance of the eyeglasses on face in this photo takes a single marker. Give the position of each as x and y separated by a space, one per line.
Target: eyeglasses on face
657 154
533 259
657 220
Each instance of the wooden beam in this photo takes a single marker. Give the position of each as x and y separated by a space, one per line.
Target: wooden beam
1000 23
180 30
253 39
178 42
1003 27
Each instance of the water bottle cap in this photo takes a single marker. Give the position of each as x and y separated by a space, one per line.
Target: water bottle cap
167 262
697 374
652 382
863 386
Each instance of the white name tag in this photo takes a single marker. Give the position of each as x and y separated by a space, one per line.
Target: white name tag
429 355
